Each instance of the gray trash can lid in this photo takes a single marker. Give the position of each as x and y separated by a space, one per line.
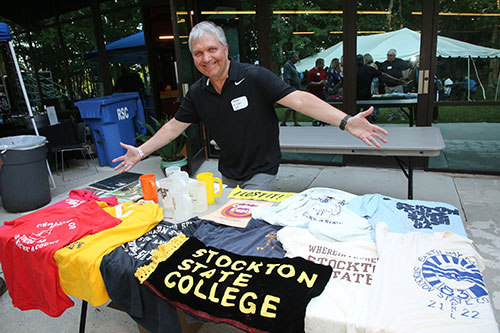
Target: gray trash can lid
22 142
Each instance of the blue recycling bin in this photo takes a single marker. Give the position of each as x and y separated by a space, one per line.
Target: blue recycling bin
113 119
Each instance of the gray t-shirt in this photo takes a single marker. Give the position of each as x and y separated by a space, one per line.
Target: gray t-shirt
290 73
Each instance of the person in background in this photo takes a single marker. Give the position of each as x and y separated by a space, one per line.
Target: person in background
292 77
368 60
394 67
316 82
316 79
235 101
129 82
333 78
364 78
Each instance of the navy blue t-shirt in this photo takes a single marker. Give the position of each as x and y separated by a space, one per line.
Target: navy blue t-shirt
241 119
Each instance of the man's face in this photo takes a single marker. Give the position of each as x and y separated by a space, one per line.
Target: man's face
391 56
294 58
320 65
210 57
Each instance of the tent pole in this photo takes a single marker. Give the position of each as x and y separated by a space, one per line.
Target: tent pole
479 79
23 88
468 78
28 105
498 84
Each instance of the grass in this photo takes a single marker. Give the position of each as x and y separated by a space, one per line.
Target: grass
448 114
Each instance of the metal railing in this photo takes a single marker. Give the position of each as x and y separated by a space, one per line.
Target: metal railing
50 89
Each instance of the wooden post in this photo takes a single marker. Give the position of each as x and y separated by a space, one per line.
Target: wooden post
428 44
349 48
62 46
104 73
263 22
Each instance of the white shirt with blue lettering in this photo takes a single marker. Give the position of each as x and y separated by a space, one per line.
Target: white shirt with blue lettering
428 283
404 216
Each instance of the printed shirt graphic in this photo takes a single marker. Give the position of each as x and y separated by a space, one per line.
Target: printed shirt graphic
428 282
78 197
404 216
343 305
258 238
250 293
235 213
27 253
323 211
79 261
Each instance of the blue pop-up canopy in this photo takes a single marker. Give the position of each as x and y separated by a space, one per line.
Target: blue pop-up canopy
4 31
128 51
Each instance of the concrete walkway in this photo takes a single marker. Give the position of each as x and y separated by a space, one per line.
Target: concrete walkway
477 197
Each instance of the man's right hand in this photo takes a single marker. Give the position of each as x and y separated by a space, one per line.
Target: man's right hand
131 158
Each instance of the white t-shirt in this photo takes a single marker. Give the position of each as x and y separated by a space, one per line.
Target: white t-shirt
430 283
323 211
343 305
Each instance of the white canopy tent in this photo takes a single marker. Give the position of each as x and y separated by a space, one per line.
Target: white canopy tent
407 44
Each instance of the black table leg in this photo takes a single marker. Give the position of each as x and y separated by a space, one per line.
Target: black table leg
410 178
83 316
408 174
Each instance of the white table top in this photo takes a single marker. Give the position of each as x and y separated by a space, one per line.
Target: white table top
402 141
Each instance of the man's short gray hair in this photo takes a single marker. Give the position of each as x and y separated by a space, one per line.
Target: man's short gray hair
393 51
206 28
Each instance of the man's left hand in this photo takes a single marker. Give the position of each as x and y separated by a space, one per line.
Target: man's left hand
361 128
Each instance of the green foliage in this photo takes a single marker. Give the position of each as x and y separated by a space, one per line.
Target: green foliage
171 151
78 39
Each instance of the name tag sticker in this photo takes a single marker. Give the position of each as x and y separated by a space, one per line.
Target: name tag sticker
239 103
389 67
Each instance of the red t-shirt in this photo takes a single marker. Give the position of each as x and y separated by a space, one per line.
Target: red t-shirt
27 253
315 75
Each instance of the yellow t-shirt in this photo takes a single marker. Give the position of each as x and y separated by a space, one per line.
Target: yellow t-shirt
79 262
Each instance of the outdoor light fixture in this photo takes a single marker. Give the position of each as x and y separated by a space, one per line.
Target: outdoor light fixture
285 12
461 14
163 37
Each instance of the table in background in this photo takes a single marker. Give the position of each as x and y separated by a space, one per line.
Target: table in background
407 105
401 142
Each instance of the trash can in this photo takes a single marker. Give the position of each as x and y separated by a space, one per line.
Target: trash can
24 178
112 119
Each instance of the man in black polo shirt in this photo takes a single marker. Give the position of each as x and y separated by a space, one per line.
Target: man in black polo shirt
236 103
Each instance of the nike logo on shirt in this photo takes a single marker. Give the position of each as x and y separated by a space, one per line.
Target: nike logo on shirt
238 82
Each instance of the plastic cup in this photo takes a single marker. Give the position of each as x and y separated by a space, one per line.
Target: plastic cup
148 184
198 194
209 180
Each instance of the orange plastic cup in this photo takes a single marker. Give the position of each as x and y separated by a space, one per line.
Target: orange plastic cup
148 184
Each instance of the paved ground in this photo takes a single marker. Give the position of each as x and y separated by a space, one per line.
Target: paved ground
476 196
